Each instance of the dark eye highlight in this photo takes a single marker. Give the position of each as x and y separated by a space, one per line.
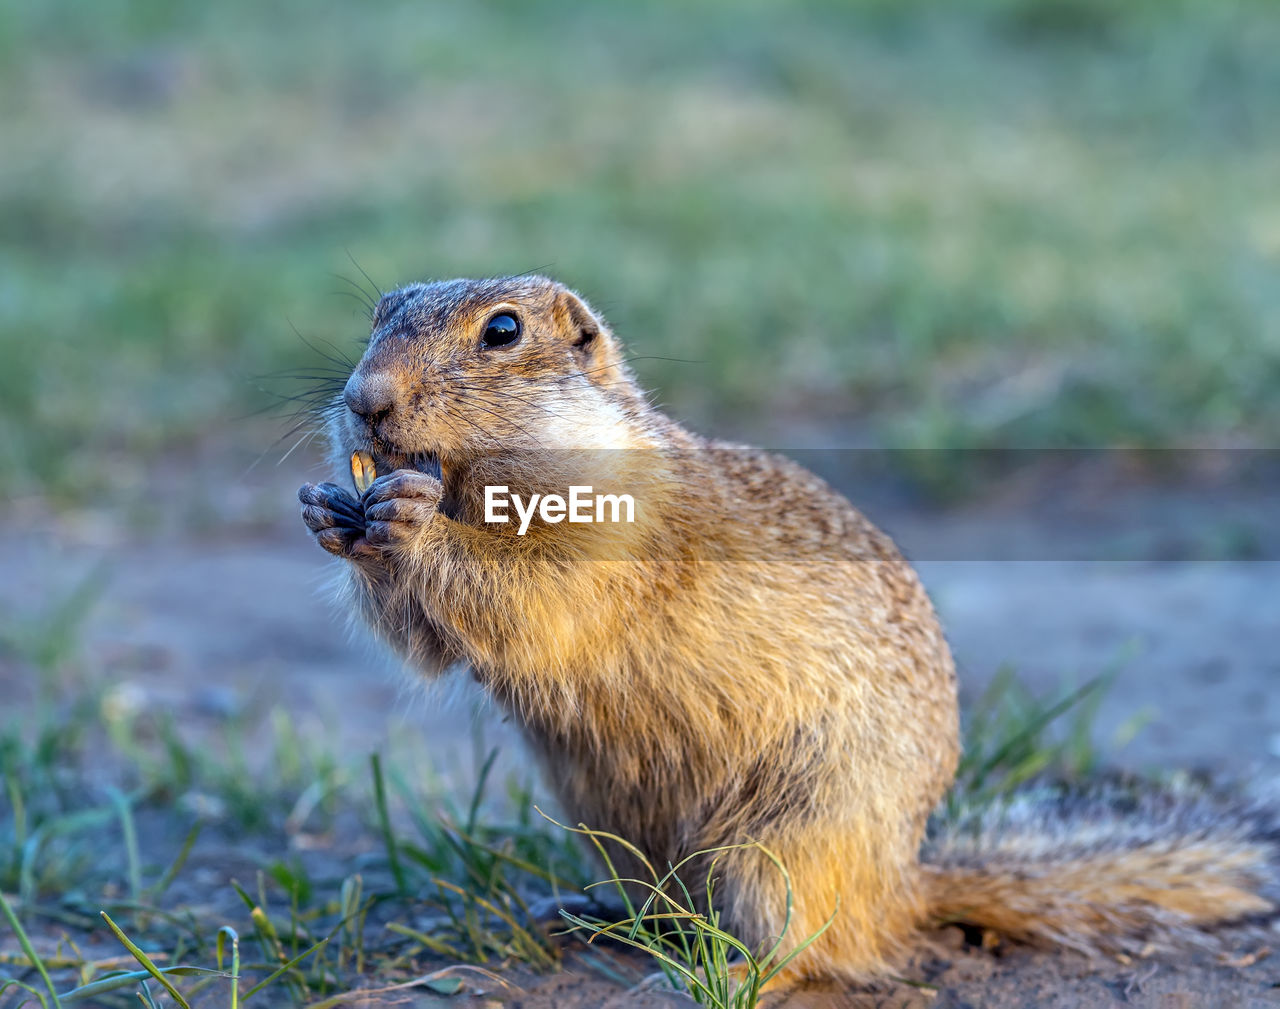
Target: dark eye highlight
501 331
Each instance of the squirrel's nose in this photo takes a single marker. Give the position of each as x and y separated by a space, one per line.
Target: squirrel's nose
370 396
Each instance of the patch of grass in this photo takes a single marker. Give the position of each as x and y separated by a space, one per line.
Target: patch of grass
111 803
462 900
985 223
1013 736
476 878
683 934
308 938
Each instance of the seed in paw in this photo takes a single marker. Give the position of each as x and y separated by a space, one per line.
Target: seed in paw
363 471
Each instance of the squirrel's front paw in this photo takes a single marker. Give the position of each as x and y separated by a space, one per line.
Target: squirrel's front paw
399 505
335 518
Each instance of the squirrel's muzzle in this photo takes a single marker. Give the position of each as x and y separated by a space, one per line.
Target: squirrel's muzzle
370 395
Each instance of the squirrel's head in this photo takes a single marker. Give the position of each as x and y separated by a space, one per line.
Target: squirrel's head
462 368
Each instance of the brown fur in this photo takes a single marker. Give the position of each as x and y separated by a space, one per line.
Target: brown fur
1123 866
751 660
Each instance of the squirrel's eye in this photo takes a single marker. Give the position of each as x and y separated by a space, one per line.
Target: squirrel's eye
501 331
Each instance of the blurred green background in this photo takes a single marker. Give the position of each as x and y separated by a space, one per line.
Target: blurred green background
980 222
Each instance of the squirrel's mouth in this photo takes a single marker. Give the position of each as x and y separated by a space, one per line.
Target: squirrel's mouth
423 462
387 459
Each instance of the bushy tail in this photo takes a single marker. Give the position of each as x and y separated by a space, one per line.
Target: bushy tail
1120 867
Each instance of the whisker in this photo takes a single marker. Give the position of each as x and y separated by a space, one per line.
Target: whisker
505 420
363 273
293 429
337 357
364 292
489 435
363 302
307 437
536 270
503 394
627 359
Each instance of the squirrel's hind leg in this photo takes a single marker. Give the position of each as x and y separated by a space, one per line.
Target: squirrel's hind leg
858 899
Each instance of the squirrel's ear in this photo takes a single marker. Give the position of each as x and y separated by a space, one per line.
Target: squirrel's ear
580 325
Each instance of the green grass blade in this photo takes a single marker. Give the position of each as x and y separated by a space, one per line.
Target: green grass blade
477 796
597 838
28 949
116 981
145 996
133 859
520 864
534 946
19 809
384 823
658 954
1035 726
428 941
170 874
145 960
225 934
800 948
284 968
33 992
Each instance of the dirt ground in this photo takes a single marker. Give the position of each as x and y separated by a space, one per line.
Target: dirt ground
236 613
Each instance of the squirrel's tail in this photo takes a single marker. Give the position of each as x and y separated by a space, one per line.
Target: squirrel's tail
1120 867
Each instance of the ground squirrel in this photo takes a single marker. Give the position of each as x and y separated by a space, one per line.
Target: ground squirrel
749 659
